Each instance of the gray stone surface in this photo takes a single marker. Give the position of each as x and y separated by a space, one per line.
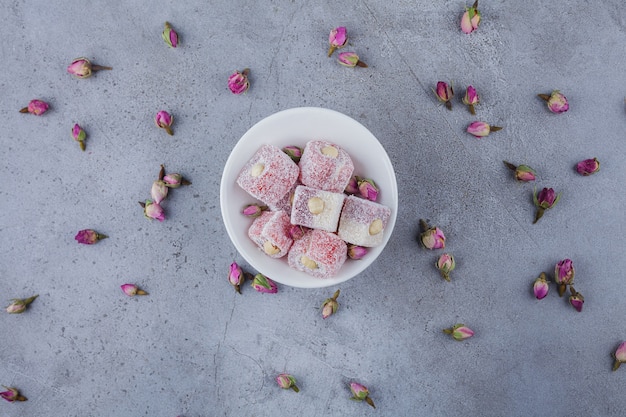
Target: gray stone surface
194 347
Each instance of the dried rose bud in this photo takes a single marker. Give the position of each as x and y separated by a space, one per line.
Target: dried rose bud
286 381
253 210
350 59
368 189
170 36
459 332
296 232
338 38
89 236
353 186
619 355
588 166
471 98
12 394
164 120
131 290
294 152
432 237
523 173
541 287
153 210
238 82
444 93
36 107
470 19
175 180
261 283
546 199
330 305
445 264
79 135
481 129
360 393
236 276
159 191
564 275
576 299
83 68
18 306
557 102
356 252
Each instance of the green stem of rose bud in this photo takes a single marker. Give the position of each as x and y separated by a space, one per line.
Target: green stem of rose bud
510 166
101 236
185 182
539 214
295 388
616 364
545 97
445 275
335 295
361 64
81 144
448 105
168 130
142 204
471 109
447 331
424 225
30 299
370 401
99 68
24 110
162 172
562 288
495 128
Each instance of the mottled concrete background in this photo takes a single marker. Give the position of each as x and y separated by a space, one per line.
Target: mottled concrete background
194 347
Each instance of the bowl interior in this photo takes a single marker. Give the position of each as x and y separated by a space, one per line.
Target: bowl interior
296 127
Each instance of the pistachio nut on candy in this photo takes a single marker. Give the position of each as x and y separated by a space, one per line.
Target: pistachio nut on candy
444 93
286 381
338 38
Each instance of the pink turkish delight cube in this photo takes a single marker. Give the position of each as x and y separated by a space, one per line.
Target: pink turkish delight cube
363 222
316 209
319 253
268 175
325 166
271 232
286 202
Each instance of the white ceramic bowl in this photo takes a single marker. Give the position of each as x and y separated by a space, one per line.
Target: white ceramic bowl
296 127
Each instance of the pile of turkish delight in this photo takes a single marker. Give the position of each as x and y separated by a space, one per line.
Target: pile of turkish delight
308 194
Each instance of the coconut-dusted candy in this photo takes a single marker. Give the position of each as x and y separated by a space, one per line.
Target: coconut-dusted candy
286 202
363 222
325 166
319 253
316 209
270 232
268 175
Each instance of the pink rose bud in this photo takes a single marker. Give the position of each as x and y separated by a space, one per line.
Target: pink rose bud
286 381
546 199
261 283
164 120
174 180
432 237
131 290
481 129
170 36
541 287
470 19
238 83
350 59
159 191
79 135
11 395
153 210
89 236
294 152
36 107
253 210
360 393
236 276
444 93
83 68
353 186
338 38
459 332
445 264
588 167
619 355
356 252
557 102
368 189
564 275
330 305
296 232
523 173
18 306
576 299
471 98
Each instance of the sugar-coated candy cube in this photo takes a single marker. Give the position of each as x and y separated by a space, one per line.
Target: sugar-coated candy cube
268 175
325 166
270 232
286 202
316 209
319 253
363 222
